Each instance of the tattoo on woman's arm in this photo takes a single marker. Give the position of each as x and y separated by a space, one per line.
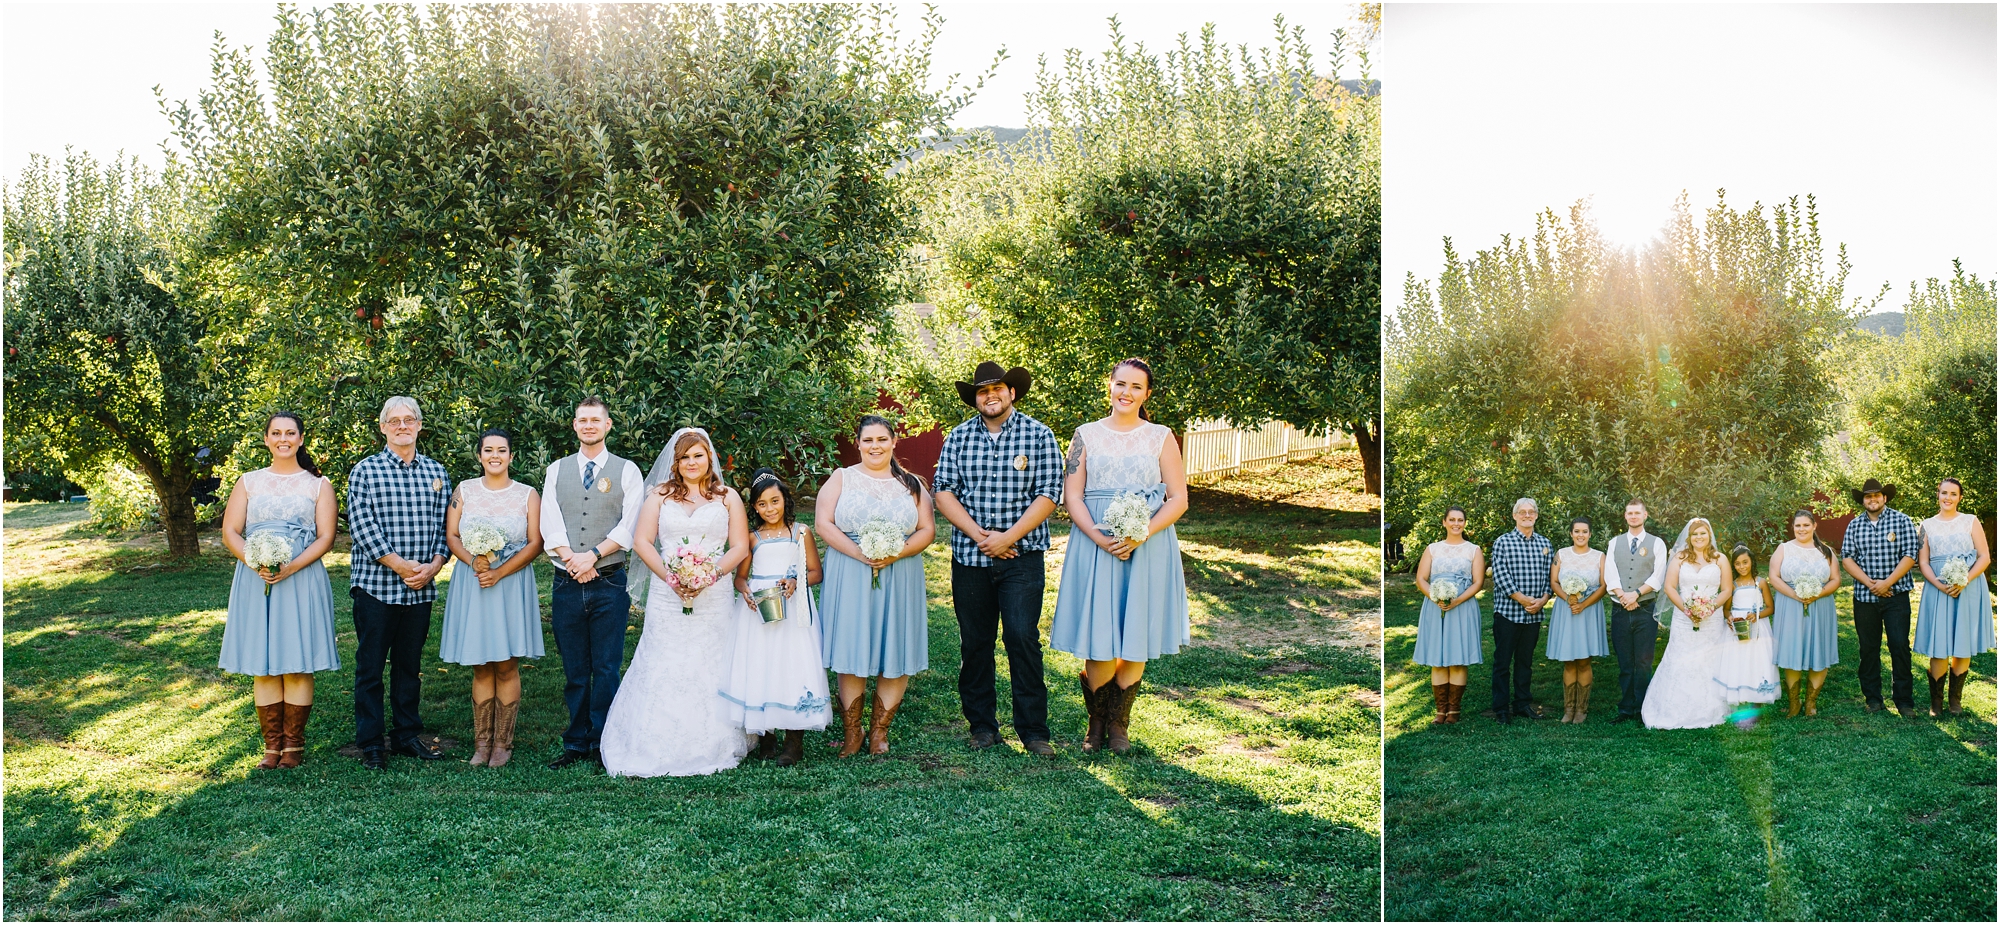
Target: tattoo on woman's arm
1074 460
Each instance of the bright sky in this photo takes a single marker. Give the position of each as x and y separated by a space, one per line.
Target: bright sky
1885 113
82 74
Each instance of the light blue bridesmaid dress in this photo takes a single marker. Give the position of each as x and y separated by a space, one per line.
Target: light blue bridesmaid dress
1135 609
866 630
494 624
1947 627
1445 640
1804 639
289 631
1578 635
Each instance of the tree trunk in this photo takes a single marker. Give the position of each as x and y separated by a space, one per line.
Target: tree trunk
1368 440
172 484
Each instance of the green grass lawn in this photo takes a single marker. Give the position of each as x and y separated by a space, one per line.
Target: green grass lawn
1252 793
1841 816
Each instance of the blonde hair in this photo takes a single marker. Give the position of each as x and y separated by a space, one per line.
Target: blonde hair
1714 552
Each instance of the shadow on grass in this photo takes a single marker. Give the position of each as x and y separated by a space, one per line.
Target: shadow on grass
1845 815
130 795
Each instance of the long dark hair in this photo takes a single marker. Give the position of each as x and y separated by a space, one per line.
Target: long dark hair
1818 543
765 478
305 459
1151 383
1743 549
910 480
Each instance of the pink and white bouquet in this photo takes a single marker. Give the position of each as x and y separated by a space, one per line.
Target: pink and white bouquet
1702 604
690 570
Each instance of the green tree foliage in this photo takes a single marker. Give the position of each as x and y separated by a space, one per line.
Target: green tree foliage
1925 400
1216 212
688 209
110 355
1691 373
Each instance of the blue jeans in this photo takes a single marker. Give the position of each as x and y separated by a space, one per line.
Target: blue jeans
589 623
1003 598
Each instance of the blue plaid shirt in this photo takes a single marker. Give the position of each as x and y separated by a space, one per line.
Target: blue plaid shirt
398 507
1878 546
1520 565
996 477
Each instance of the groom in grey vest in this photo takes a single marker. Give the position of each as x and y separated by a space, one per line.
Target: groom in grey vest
1632 588
590 502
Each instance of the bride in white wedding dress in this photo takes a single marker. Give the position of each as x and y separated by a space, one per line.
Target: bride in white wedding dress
667 719
1684 694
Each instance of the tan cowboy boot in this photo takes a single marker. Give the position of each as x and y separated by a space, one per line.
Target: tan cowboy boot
1441 703
1812 699
1582 702
271 721
1792 696
502 730
482 731
1569 702
878 727
850 720
294 752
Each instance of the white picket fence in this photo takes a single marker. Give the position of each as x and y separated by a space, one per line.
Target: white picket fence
1217 449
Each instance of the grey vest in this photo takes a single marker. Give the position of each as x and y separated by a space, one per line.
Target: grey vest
1633 571
590 511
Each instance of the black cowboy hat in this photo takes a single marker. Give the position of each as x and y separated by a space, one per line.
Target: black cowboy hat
988 373
1870 487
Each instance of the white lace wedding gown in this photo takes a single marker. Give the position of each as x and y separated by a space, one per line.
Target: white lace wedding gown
1683 693
667 718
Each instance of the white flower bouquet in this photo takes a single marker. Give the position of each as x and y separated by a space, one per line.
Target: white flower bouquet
1129 518
482 539
880 539
1808 582
267 552
1445 590
1574 586
690 570
1956 572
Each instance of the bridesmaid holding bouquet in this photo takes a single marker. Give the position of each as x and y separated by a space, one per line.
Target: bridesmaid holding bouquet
1955 615
493 617
1450 575
1576 623
278 523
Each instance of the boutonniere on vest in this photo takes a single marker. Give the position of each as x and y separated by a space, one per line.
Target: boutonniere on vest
1646 550
1892 536
437 484
1021 464
604 484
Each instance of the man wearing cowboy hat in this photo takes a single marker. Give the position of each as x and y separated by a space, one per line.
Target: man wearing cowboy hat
999 476
1879 550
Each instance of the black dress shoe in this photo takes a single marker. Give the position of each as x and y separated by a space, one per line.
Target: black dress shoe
1622 717
1874 706
981 740
1040 747
1534 711
569 757
416 747
1503 717
373 759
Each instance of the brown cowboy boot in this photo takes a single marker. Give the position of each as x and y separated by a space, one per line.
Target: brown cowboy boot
503 732
1812 699
1937 693
1440 703
850 720
271 720
767 745
1957 691
795 748
1118 716
1457 693
1093 703
294 752
1569 702
1582 702
878 725
1792 697
482 731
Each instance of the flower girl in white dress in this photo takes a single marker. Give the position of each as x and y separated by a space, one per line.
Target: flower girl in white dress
776 679
1746 668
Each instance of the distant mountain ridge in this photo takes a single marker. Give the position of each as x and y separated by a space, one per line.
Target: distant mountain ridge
1887 324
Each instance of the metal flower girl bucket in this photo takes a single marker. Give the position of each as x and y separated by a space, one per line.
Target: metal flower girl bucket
770 603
